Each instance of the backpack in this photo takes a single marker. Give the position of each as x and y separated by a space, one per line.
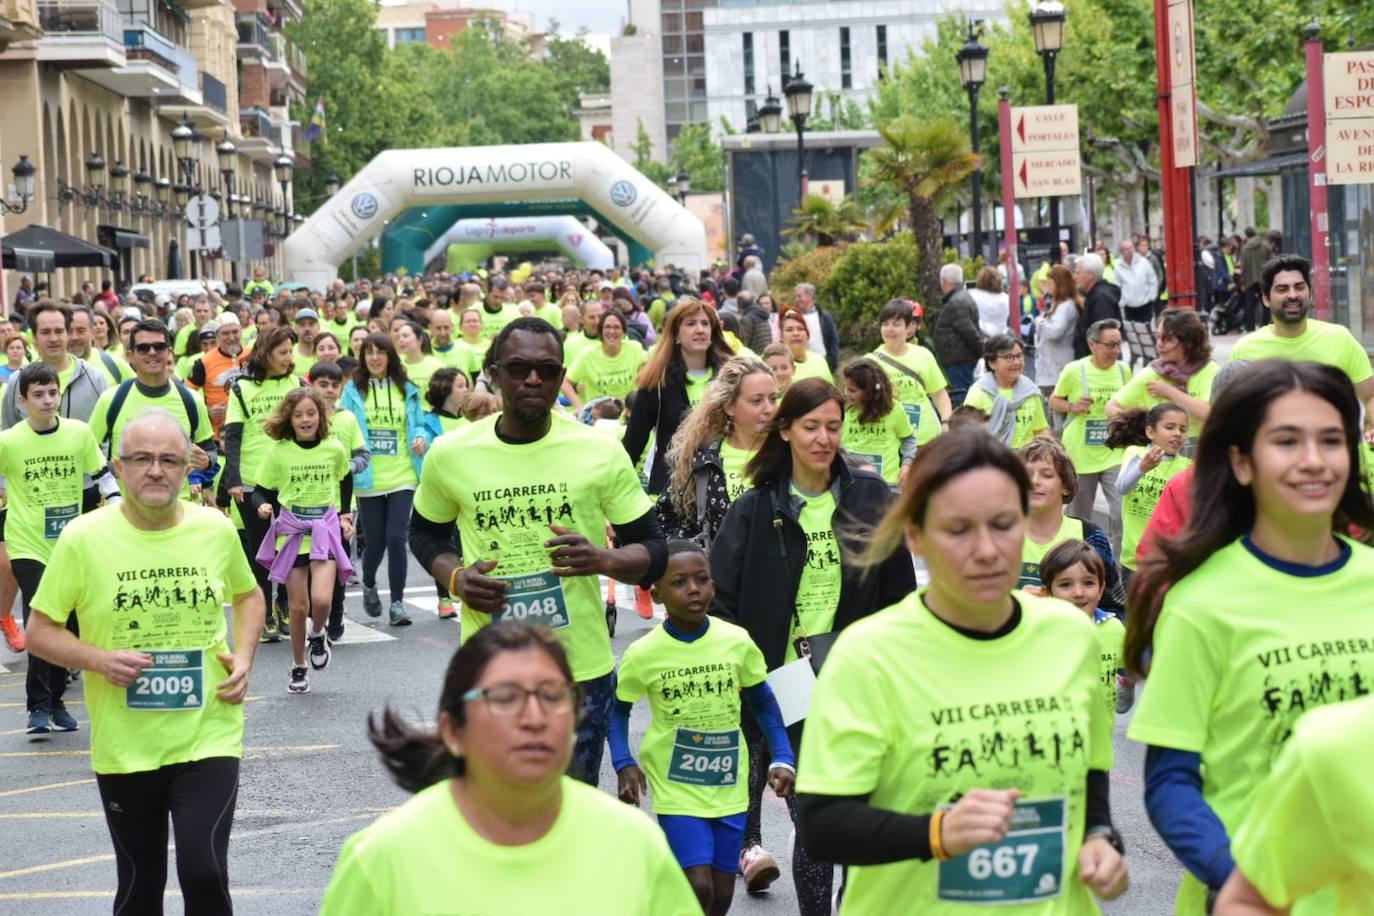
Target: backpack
188 403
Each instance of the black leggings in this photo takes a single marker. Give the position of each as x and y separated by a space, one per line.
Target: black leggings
46 683
254 530
812 880
386 519
200 796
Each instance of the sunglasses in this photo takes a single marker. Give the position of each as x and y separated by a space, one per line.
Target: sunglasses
159 347
520 369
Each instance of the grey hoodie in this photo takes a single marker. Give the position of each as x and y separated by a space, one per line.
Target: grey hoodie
1002 418
77 401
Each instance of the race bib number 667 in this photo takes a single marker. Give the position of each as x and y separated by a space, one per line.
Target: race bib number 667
1027 865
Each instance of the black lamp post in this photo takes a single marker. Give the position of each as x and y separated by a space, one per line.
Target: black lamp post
973 72
770 114
332 184
284 167
1047 22
798 93
24 173
682 182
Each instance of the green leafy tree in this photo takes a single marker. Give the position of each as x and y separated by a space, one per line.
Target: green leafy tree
811 266
863 279
924 163
643 148
700 156
575 66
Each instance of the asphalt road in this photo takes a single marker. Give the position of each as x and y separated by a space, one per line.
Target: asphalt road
310 779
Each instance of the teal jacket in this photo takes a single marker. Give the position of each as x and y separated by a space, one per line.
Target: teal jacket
416 426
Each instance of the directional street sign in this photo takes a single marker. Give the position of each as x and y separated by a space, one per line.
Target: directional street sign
1349 84
1044 151
1183 92
202 219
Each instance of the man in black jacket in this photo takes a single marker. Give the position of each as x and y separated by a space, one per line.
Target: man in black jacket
958 339
755 327
1100 300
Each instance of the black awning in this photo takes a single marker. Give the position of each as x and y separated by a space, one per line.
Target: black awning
115 237
1270 165
66 250
28 260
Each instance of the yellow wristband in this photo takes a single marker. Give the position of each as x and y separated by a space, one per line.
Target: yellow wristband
453 579
937 846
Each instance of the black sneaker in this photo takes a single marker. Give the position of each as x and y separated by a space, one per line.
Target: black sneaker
300 680
319 651
372 601
611 612
334 631
283 620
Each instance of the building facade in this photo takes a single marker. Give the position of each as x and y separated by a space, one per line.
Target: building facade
437 23
717 59
107 81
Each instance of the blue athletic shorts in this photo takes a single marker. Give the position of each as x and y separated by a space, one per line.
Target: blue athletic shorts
713 841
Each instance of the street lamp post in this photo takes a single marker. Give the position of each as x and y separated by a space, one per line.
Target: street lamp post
973 72
798 93
682 182
1047 22
770 114
284 166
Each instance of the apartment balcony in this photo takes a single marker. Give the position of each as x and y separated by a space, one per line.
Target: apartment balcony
285 64
253 40
285 10
18 21
80 34
211 115
156 67
261 138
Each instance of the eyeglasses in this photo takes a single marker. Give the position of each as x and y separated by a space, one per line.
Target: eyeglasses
1107 344
508 699
520 369
1013 357
158 347
142 461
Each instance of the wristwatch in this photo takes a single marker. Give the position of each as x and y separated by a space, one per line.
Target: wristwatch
1109 833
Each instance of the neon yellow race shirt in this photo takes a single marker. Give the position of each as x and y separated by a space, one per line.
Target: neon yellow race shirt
505 496
1085 435
600 858
1032 552
254 403
818 592
388 438
599 375
1139 504
306 479
1241 651
912 713
161 592
1136 395
1030 416
1320 341
43 478
733 461
693 752
878 443
914 393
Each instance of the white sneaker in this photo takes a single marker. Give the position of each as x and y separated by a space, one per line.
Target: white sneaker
758 868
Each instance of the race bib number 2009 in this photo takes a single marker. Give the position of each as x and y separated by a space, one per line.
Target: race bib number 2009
174 681
1027 865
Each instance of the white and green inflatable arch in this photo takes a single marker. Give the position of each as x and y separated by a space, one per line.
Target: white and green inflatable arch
588 176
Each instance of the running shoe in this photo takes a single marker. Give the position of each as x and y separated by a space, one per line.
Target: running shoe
62 721
447 611
283 619
38 722
270 633
319 651
644 603
14 636
759 869
334 631
1125 694
398 615
300 680
372 602
611 612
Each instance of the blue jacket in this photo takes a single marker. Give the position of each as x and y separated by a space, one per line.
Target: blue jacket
416 426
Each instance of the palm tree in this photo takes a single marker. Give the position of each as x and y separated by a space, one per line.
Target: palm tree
827 223
925 162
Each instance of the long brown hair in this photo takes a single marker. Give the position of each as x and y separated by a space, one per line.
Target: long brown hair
395 366
1065 290
1223 509
278 425
256 367
773 461
665 366
869 378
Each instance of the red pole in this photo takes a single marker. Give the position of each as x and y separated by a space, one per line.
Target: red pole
1175 183
1009 210
1316 173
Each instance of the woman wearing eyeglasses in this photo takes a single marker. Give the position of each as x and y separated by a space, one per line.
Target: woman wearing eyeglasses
1015 408
495 823
392 419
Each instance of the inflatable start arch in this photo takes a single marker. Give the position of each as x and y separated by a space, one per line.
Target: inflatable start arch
590 173
478 239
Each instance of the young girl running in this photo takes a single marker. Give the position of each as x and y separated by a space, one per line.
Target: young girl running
448 389
692 669
305 479
877 431
1153 440
1075 573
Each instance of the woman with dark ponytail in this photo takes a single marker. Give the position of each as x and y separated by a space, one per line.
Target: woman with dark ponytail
493 807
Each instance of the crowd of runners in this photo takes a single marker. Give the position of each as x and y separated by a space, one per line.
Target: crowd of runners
1176 540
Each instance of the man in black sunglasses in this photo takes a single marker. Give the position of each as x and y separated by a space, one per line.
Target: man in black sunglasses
153 386
532 494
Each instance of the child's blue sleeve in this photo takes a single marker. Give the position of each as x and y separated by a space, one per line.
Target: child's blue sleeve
619 737
764 706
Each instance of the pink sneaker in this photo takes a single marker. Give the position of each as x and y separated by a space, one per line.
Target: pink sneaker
758 868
